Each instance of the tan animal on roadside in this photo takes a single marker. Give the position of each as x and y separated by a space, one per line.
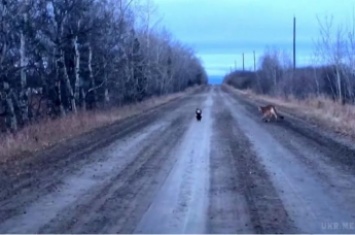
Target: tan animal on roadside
269 112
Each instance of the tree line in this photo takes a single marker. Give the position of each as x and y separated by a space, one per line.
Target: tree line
331 74
62 56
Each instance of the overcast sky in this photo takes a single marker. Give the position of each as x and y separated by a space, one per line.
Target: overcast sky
220 30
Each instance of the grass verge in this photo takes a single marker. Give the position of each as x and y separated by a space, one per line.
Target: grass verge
36 137
320 111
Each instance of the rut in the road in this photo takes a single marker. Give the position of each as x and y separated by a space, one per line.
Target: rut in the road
122 199
108 190
297 165
266 210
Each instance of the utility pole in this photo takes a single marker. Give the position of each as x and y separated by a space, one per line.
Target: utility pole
254 61
243 60
294 43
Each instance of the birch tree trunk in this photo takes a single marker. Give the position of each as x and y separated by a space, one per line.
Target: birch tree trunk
23 103
340 91
316 81
67 82
77 67
106 93
63 67
91 75
59 102
11 120
77 70
61 107
83 94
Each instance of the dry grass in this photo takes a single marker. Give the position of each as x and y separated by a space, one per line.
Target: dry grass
321 111
36 137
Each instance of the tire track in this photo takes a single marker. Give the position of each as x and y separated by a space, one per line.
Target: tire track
266 210
180 206
228 210
20 176
128 191
311 201
120 201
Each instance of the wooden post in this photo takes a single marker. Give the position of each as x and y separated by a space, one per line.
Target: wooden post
254 61
243 61
294 43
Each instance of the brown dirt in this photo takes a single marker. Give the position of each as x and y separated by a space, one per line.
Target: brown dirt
165 172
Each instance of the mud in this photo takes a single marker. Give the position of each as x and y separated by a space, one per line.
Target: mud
165 172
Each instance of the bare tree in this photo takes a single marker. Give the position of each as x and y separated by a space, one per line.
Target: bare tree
57 56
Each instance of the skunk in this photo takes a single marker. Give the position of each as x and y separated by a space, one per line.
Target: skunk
198 114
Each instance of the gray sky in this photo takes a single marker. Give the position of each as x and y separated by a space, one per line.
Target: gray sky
220 30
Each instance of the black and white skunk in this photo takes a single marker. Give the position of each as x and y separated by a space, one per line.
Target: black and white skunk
198 114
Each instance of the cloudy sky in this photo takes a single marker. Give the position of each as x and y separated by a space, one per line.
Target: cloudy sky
221 30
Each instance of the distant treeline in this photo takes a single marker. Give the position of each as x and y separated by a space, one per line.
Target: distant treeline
301 83
333 73
61 56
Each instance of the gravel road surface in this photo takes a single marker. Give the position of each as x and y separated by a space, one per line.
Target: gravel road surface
164 172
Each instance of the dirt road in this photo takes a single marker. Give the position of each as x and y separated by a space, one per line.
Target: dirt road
164 172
